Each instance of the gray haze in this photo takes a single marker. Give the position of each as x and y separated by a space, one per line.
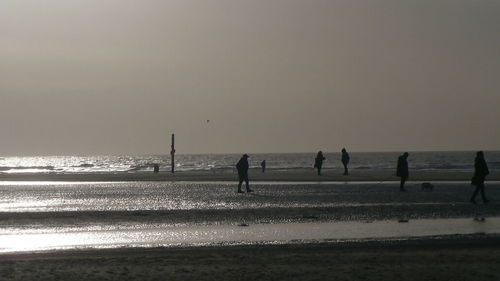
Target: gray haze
119 76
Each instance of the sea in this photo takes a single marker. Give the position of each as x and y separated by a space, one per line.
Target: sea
378 161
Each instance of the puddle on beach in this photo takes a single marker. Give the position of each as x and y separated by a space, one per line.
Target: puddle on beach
148 236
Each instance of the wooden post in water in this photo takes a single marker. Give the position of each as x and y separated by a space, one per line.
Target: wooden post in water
172 152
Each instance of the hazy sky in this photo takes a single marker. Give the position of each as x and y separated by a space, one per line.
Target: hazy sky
119 76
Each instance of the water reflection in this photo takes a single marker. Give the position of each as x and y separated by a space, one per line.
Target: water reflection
152 236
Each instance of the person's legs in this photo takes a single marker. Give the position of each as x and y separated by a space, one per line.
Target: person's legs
239 184
247 184
473 198
481 187
319 171
402 184
345 169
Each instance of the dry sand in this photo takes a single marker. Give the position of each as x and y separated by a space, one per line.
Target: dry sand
462 258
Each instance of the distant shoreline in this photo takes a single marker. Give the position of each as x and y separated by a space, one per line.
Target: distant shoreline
294 175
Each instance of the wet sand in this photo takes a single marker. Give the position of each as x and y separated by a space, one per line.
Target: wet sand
453 258
30 205
254 174
28 220
475 257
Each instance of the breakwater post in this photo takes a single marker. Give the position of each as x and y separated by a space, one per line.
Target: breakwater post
172 152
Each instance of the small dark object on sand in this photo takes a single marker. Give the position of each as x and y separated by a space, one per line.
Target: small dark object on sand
427 186
479 219
311 217
243 224
403 220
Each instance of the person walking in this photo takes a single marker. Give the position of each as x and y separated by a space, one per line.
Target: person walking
402 170
345 161
242 167
318 162
480 173
263 165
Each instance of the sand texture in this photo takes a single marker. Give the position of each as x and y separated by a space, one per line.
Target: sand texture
456 259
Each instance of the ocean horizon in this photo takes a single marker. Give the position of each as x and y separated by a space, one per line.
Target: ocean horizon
377 161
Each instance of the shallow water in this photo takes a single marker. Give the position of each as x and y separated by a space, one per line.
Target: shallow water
141 236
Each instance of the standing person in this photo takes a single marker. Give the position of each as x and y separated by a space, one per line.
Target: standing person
318 162
402 170
345 160
263 165
242 167
480 173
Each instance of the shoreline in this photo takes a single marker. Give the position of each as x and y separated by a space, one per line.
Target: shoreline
295 175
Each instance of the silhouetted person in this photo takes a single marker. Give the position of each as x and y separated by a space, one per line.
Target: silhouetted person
242 167
263 165
318 162
480 173
156 168
402 170
345 160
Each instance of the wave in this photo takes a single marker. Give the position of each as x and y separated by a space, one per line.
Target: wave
84 165
8 168
454 161
133 168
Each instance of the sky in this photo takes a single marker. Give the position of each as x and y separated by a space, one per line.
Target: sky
97 77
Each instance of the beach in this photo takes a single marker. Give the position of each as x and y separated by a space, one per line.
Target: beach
192 225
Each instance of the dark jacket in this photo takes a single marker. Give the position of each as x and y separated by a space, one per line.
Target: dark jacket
242 166
480 171
402 169
345 157
318 162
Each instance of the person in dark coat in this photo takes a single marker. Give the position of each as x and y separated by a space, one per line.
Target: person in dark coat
242 167
480 173
345 161
263 165
318 162
402 170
